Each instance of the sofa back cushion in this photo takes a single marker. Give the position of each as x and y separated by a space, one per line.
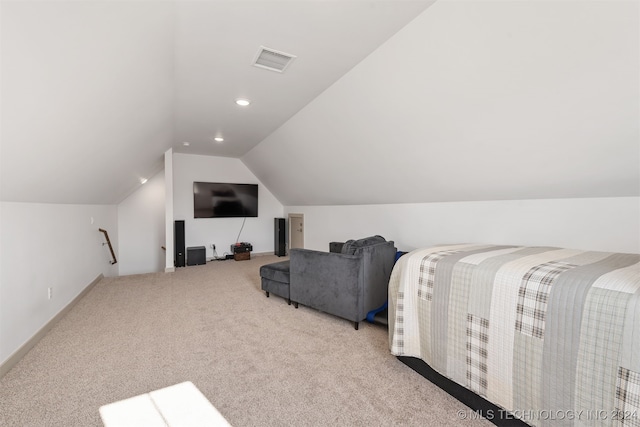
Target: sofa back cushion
350 246
336 247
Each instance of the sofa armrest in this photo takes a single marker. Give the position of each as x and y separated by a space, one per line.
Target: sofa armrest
326 281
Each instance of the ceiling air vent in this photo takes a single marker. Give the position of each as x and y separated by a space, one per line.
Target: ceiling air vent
273 60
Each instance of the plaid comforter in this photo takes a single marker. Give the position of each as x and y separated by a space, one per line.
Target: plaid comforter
552 335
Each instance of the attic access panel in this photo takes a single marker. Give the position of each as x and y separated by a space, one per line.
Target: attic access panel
271 59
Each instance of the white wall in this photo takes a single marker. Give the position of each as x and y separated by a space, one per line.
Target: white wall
600 224
168 211
221 231
46 245
141 228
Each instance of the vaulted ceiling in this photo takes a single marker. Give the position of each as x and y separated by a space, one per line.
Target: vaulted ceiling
473 101
386 101
93 93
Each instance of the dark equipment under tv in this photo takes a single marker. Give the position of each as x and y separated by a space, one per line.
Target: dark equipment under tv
224 200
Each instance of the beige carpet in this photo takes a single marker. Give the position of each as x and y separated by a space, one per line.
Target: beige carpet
258 360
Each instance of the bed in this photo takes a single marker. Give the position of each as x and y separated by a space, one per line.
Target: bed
542 335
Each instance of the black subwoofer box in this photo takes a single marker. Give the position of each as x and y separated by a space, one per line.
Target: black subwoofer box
196 255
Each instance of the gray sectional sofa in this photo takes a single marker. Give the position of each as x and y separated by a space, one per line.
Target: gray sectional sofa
347 282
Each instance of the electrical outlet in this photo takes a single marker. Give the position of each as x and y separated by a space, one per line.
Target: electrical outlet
49 292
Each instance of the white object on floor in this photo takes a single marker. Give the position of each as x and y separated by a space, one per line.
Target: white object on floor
180 405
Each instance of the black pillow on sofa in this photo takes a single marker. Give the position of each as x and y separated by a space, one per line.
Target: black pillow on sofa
350 246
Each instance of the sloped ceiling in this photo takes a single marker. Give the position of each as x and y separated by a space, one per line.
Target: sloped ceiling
87 98
386 102
216 43
473 101
94 92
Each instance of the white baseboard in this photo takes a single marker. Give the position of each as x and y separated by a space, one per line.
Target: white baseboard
208 260
262 253
24 349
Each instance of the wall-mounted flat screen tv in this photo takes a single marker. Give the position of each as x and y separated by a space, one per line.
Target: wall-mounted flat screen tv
224 200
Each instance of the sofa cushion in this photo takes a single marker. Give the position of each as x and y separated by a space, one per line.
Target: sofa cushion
347 247
350 246
278 271
336 247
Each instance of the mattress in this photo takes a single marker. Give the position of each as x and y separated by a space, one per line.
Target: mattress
550 334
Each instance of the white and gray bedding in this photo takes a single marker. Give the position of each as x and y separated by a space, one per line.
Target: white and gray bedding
543 332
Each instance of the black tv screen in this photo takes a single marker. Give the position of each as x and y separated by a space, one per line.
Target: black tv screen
223 200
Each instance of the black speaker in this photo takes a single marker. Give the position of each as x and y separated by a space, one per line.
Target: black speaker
178 237
279 243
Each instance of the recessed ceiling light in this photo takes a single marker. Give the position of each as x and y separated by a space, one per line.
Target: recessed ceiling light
218 139
186 144
242 102
143 180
